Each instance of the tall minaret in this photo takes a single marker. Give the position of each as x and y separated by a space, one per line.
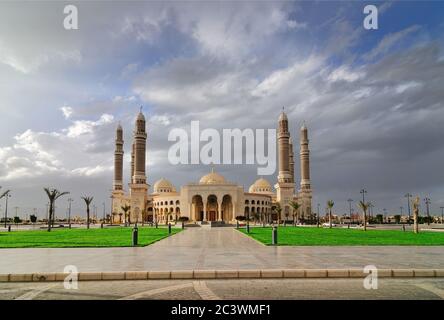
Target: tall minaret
291 160
138 186
305 159
284 186
284 148
305 193
118 160
139 176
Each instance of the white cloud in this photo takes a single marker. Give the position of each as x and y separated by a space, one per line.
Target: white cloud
67 111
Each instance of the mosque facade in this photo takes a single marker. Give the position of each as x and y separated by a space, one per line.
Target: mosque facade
212 198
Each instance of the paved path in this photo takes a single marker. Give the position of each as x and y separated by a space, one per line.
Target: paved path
216 248
228 289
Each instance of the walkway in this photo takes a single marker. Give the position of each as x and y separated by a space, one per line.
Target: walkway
216 248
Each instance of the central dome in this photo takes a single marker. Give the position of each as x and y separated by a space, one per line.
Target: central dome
212 178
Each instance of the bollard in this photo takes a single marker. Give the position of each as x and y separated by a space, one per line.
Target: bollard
135 235
156 225
248 227
274 236
101 225
183 225
169 228
237 224
403 227
9 228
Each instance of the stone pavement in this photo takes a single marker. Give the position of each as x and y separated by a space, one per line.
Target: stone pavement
227 289
220 249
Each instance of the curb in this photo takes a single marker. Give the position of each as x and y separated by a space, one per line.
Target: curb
223 274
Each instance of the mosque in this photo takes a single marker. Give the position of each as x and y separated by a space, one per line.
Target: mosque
212 199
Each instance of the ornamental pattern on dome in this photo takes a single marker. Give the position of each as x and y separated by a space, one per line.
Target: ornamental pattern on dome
212 178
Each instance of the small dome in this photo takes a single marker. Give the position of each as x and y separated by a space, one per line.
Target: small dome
212 178
260 186
283 117
140 116
163 185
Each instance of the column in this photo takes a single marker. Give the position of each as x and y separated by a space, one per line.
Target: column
204 210
219 211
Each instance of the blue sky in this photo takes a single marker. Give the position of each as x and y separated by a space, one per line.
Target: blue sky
372 98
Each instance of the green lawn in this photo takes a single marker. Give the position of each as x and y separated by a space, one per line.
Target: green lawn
66 238
308 236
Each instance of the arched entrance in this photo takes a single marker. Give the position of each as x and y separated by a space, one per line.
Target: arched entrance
197 207
227 208
212 208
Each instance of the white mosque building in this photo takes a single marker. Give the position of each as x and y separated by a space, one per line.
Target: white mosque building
212 199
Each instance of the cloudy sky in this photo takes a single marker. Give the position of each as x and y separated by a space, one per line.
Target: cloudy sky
373 100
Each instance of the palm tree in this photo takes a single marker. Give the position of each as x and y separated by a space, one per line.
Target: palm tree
330 205
53 195
125 209
4 194
295 207
364 206
88 201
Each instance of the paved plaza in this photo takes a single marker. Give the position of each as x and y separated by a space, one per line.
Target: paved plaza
311 289
216 248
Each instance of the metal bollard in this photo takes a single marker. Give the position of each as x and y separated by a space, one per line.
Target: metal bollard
183 225
157 224
101 225
9 228
169 228
237 224
135 236
248 227
274 236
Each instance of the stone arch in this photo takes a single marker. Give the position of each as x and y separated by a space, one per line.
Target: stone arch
197 208
212 208
227 208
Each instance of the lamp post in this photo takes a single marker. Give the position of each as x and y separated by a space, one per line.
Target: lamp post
385 213
350 204
104 208
442 214
427 202
401 208
319 205
6 208
363 192
69 212
408 196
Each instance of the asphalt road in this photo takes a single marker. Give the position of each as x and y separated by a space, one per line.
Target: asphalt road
417 289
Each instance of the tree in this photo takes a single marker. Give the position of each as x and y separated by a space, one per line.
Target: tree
379 218
415 205
4 194
17 220
53 195
88 201
364 206
330 205
295 207
125 209
33 218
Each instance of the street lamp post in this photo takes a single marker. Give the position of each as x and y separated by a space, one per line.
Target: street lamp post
427 202
69 212
350 204
442 214
104 212
6 208
319 205
363 192
408 196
